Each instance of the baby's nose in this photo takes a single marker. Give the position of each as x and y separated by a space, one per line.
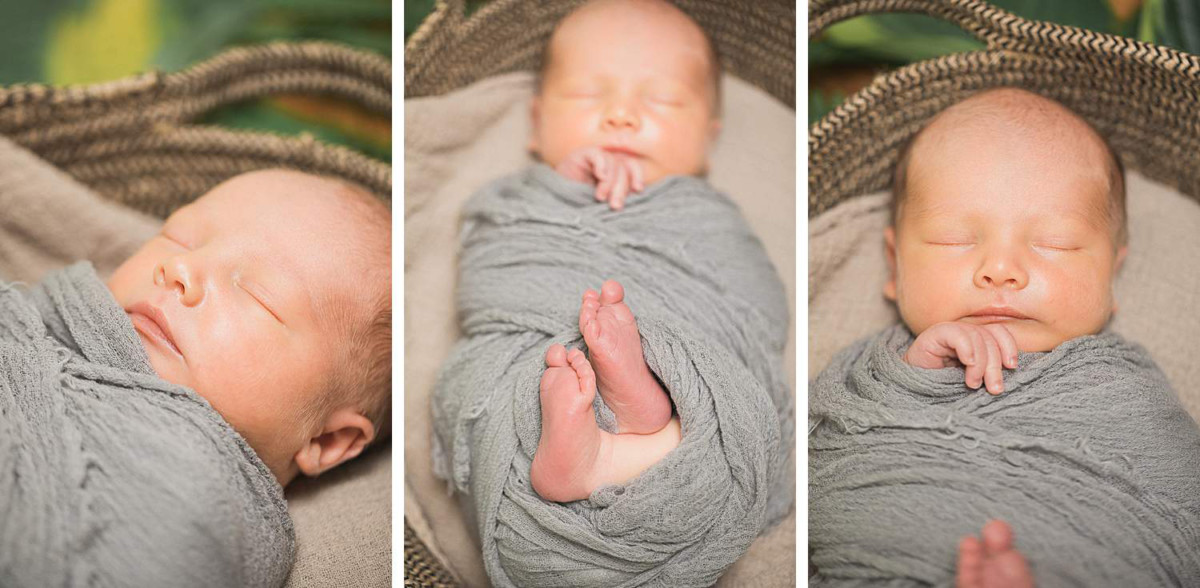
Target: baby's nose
1000 270
620 115
177 275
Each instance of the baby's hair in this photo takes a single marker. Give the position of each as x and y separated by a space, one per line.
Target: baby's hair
362 374
1007 99
714 57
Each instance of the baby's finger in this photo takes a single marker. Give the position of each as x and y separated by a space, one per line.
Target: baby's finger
620 188
638 178
949 342
1008 344
978 359
606 177
992 374
597 163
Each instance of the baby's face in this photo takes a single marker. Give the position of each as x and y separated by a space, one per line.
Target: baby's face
231 299
631 79
1006 226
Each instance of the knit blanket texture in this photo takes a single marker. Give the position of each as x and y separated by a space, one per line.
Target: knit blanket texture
1087 454
713 320
111 476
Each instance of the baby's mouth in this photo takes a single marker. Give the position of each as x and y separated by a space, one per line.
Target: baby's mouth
996 314
621 150
152 323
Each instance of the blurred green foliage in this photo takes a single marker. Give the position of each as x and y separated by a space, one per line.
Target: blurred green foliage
888 41
84 41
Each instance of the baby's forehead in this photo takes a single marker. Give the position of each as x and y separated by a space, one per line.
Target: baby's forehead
622 23
1012 115
311 226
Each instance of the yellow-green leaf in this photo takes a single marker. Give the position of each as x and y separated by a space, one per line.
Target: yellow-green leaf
105 40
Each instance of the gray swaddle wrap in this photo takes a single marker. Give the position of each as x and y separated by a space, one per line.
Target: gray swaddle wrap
111 476
713 320
1087 454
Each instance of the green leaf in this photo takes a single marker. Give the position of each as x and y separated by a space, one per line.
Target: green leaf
820 105
1179 25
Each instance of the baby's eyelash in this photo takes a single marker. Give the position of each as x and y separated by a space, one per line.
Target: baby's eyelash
260 301
174 240
666 100
1056 247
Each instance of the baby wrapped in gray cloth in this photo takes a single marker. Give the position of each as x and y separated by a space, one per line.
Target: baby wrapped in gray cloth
110 475
713 321
1087 454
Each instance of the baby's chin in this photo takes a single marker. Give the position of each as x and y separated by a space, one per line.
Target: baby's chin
1033 336
164 367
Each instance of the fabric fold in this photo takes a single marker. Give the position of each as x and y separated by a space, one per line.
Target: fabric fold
713 320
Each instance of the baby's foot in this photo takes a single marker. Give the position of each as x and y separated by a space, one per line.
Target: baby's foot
572 448
615 349
994 563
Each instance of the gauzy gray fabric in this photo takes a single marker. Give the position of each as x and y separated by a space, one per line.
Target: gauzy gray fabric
111 476
713 320
1087 454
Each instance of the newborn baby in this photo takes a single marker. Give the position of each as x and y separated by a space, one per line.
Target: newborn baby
1008 228
597 449
243 297
147 425
627 95
986 264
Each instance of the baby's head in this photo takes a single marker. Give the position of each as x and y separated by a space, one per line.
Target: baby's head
274 290
638 77
1007 203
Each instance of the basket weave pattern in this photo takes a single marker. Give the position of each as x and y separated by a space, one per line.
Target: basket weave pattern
756 40
131 140
1143 98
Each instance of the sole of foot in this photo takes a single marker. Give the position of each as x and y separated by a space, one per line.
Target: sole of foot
628 387
572 445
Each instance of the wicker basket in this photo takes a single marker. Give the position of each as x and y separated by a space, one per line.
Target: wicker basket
1142 97
756 42
132 140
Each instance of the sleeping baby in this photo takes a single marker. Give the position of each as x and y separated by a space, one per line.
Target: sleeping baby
593 448
1008 228
149 424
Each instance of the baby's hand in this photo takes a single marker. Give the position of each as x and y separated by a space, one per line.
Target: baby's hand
614 174
983 349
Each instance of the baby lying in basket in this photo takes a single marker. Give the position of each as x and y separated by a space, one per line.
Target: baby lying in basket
148 425
577 471
1008 229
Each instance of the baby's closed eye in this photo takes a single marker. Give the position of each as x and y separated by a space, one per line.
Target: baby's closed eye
950 239
1057 244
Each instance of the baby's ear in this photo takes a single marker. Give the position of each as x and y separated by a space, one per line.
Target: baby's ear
889 250
345 434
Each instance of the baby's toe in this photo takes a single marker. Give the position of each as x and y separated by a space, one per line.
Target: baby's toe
556 356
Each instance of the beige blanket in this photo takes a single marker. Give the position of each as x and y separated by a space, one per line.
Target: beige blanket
48 220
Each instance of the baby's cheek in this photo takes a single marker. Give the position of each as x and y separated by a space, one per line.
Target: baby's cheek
925 296
1080 300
